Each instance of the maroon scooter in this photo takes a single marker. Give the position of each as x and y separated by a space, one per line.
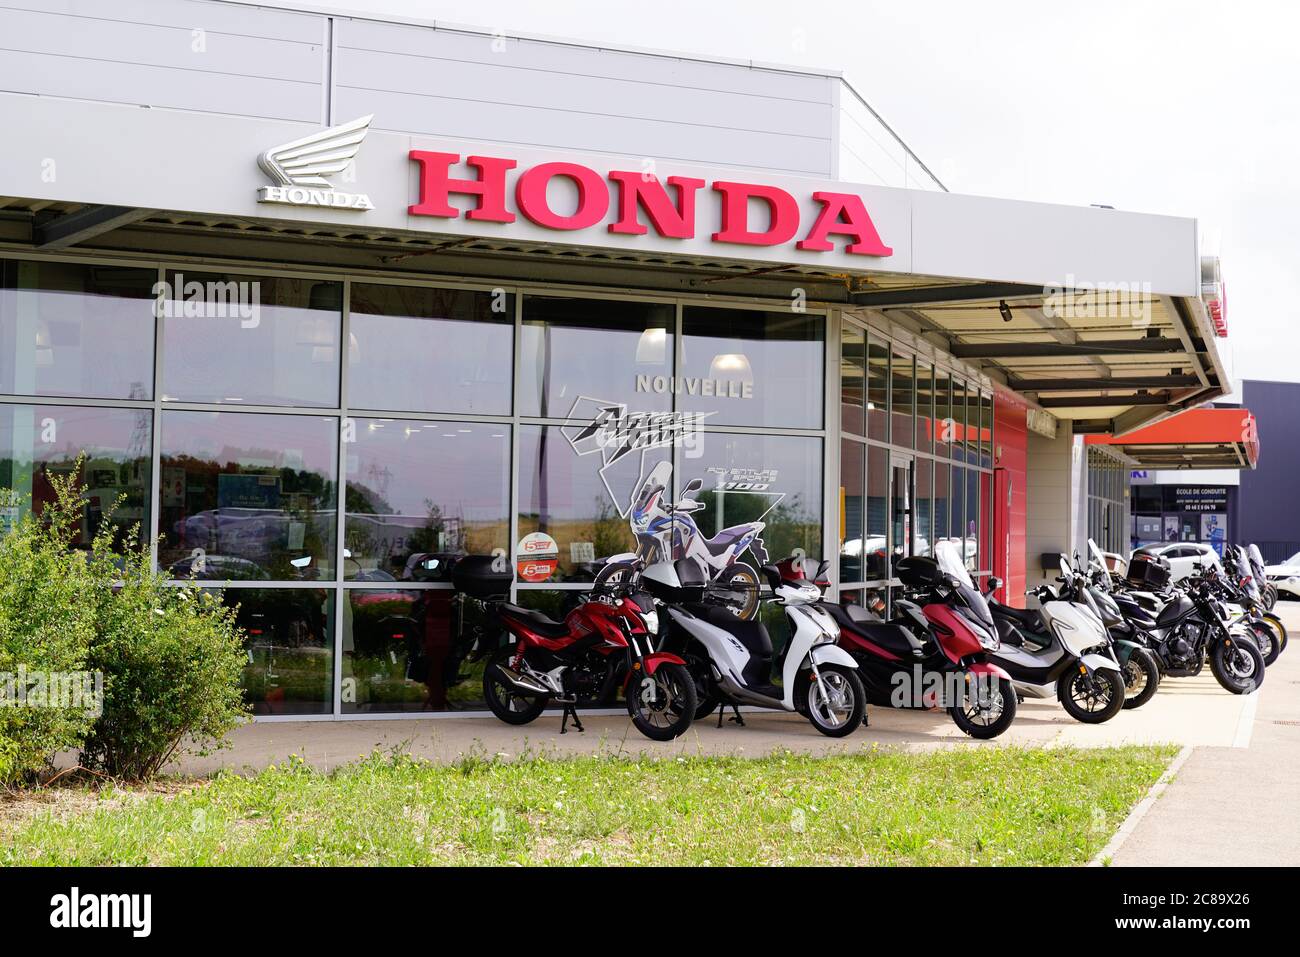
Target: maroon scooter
934 654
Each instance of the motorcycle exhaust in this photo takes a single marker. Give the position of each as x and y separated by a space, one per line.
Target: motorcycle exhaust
524 682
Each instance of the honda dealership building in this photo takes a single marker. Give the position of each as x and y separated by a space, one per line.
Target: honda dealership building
327 301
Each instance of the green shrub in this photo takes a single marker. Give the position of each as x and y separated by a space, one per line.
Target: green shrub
171 657
173 660
47 623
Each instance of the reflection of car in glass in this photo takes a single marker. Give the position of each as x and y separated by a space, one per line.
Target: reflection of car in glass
1285 577
1183 557
218 568
875 553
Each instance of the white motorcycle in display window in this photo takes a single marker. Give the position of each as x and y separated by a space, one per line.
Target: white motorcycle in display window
667 531
732 660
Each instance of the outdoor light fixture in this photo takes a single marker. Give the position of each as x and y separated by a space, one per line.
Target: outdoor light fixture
1005 310
731 365
44 347
651 347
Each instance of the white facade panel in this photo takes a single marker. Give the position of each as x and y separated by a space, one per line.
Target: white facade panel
508 53
440 83
954 237
176 54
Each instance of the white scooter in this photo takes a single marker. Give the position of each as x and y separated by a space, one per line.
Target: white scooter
732 660
1069 659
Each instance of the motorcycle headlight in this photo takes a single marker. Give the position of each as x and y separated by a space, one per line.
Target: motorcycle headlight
651 619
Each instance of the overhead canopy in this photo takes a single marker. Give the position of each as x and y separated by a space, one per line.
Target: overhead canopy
1110 360
1196 439
1094 314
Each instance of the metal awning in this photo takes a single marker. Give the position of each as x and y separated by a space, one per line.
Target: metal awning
1196 439
1108 360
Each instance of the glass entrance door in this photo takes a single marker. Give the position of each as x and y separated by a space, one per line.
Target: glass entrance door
901 498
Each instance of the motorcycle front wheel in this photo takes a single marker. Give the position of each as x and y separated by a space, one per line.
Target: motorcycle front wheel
1278 627
1237 665
1268 640
988 711
1091 698
835 705
662 705
1141 678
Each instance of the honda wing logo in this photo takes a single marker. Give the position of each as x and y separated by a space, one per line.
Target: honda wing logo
299 168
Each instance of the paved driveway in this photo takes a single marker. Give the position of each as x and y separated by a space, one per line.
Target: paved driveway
1194 711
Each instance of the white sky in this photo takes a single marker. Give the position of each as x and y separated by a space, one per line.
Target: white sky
1185 108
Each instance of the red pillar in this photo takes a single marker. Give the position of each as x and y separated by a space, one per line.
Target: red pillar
1010 461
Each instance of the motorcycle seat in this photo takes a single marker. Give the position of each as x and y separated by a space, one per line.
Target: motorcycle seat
722 541
533 620
1019 616
895 639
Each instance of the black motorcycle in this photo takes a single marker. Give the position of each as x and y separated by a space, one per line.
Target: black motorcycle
1192 629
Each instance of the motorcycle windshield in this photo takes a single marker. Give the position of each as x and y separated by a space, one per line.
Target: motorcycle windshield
951 564
1096 555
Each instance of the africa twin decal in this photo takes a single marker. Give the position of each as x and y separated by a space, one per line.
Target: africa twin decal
623 438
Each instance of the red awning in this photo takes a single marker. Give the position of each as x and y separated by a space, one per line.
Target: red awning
1205 438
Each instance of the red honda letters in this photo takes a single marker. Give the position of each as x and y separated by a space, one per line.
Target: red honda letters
669 208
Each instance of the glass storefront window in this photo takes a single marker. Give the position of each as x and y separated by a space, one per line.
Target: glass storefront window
419 349
902 400
923 509
853 379
419 493
774 480
972 424
986 520
958 420
973 509
877 391
957 508
39 442
572 505
853 486
251 340
248 496
68 329
289 636
594 349
986 430
944 426
942 500
874 551
404 651
752 368
924 407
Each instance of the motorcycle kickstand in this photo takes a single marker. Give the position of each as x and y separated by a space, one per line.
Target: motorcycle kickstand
736 717
570 712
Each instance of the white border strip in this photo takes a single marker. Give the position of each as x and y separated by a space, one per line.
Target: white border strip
1135 816
1246 720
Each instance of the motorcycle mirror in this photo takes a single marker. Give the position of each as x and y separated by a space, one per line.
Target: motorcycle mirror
694 485
992 584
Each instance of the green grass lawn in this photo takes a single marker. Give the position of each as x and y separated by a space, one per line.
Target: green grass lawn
965 805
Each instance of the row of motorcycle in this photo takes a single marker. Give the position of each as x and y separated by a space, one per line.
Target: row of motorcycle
666 634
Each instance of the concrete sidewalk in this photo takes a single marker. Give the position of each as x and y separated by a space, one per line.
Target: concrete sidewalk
1234 806
1193 711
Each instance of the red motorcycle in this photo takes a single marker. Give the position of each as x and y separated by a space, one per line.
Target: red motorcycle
602 643
934 655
